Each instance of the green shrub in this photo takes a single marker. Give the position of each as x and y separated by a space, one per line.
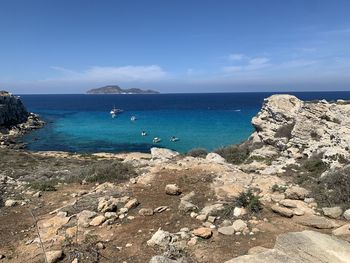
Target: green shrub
278 188
249 201
235 154
43 185
334 189
108 171
198 152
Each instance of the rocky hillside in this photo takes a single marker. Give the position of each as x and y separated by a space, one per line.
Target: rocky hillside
15 120
291 129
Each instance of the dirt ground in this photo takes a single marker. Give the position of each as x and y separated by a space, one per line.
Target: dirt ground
17 226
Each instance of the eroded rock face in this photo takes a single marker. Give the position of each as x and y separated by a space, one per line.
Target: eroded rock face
296 128
302 247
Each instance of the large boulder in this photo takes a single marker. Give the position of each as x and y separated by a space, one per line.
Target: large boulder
163 154
302 247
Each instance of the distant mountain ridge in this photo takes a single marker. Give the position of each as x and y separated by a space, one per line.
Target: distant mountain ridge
114 89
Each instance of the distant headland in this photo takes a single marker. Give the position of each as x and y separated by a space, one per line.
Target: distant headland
114 89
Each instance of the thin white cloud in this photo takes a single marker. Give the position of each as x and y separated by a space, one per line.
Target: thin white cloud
249 64
297 63
237 57
258 61
122 74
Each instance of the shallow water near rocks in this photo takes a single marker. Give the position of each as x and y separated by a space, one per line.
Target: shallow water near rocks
82 123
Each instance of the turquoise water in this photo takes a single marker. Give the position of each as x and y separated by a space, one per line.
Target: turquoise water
82 123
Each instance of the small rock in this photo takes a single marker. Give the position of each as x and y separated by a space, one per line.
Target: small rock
98 220
146 212
309 200
54 256
2 256
226 230
239 225
37 194
160 238
100 245
201 218
347 214
11 203
123 210
343 231
226 222
128 245
193 214
203 232
192 241
296 193
298 212
211 219
172 189
283 211
332 212
110 215
288 203
239 211
132 204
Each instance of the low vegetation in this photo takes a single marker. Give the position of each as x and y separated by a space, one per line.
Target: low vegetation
198 152
235 154
108 171
334 189
250 201
278 188
43 185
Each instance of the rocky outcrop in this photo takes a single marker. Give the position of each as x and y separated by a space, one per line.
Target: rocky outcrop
296 129
302 247
12 111
15 120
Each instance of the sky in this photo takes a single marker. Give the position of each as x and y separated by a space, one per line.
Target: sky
70 46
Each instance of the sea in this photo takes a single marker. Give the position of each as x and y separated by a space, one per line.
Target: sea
83 123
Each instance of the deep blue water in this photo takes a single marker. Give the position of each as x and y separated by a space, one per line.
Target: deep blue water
82 123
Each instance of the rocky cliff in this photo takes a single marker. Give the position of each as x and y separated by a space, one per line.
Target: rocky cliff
15 120
12 111
293 129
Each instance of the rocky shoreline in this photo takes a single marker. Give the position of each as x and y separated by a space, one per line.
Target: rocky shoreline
282 196
15 121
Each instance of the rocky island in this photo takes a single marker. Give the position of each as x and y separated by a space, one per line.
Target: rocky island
118 90
281 196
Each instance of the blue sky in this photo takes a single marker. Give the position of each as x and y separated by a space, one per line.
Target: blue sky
69 46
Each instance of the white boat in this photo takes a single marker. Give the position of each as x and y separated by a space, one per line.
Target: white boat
114 112
157 140
133 118
174 139
143 133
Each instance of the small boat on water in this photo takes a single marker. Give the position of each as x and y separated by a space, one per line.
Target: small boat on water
114 112
157 140
143 133
174 139
133 118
